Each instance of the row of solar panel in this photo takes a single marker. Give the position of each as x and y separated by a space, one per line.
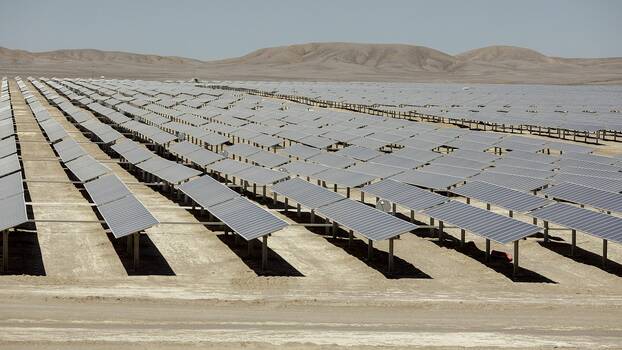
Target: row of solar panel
12 200
122 212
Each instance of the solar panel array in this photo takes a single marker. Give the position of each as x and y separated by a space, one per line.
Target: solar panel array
266 142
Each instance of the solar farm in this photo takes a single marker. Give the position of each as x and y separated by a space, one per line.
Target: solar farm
382 206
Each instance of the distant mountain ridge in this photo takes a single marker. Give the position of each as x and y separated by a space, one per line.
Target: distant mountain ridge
327 61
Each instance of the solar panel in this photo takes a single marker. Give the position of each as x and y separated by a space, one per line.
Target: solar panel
369 143
406 195
368 221
126 216
417 154
396 161
9 164
203 157
261 176
601 183
481 222
137 155
213 139
228 166
124 145
591 172
162 138
300 151
527 147
69 149
86 168
381 171
502 196
585 195
585 164
267 159
516 182
343 177
106 189
176 173
419 143
242 149
8 147
428 180
593 158
12 211
207 192
459 162
522 163
266 140
11 185
305 193
246 218
455 171
539 174
359 153
482 157
155 164
332 160
303 168
584 220
6 129
183 148
317 141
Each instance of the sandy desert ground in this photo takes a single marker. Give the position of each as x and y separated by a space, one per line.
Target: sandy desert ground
72 286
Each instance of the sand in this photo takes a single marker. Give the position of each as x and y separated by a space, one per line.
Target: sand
198 290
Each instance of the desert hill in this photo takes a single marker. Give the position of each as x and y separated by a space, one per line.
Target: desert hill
327 61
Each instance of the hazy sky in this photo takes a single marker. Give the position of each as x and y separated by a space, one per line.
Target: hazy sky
219 29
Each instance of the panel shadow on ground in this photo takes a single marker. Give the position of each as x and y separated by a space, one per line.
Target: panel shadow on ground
25 252
583 256
277 266
358 249
152 262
